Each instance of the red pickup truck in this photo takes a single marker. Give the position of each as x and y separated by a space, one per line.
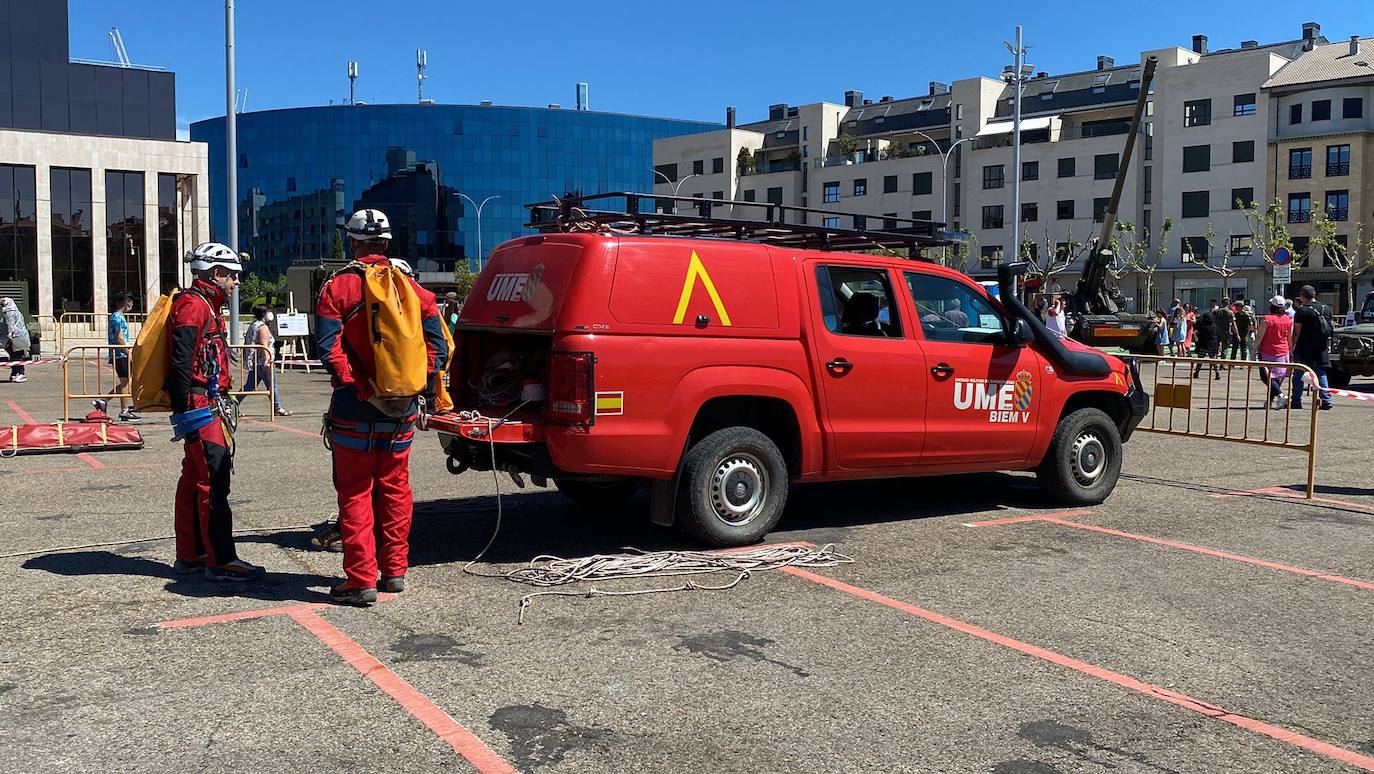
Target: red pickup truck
718 373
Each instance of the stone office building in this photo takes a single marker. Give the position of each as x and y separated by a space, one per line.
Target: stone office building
97 196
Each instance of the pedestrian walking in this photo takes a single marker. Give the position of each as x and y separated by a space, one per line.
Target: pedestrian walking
1312 331
1225 321
1178 321
260 364
1161 332
117 336
17 341
198 386
1190 336
452 309
369 434
1207 340
1275 332
1241 348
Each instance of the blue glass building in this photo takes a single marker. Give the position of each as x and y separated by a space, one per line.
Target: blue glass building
303 169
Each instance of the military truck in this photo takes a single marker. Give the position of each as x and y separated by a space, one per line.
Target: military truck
1352 348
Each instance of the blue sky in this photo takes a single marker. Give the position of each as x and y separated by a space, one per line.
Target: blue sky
683 60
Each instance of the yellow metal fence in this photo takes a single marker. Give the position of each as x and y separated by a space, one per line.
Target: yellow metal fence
88 373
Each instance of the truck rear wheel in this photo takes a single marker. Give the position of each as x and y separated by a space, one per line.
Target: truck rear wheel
1084 459
736 482
597 495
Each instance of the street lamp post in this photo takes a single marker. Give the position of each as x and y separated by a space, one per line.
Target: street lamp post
1016 75
231 180
678 185
479 222
944 173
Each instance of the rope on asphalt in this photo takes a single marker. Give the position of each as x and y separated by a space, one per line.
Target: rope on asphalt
64 549
557 571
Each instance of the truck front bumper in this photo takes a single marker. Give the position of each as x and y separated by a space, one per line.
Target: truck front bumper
1137 400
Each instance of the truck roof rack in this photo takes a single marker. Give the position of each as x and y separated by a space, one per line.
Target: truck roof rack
774 224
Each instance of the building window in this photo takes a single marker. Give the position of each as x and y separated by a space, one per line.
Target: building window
1064 209
1030 212
1242 151
830 193
861 186
775 195
1195 204
19 232
1244 105
1147 191
750 195
1299 207
1198 112
666 170
1194 249
699 167
1338 205
1299 163
957 199
1100 209
1240 244
168 258
1352 107
920 215
1030 170
718 195
958 112
717 165
992 176
1105 166
889 184
992 216
920 183
1300 247
1066 167
1242 198
1197 158
1321 110
125 246
1337 160
990 256
1295 114
830 222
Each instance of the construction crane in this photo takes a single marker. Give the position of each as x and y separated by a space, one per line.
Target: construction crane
121 53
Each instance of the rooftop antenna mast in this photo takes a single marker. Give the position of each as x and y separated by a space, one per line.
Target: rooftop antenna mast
121 53
352 81
421 64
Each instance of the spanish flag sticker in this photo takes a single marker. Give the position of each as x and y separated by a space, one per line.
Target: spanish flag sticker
610 404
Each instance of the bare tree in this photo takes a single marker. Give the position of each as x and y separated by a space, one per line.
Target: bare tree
1220 268
1268 228
1049 257
1352 258
1134 251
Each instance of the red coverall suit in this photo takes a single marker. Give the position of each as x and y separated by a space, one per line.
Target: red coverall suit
199 346
371 451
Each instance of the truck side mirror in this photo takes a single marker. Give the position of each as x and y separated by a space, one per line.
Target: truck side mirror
1023 334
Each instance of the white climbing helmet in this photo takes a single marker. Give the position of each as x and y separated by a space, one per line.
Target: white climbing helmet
368 224
208 254
403 265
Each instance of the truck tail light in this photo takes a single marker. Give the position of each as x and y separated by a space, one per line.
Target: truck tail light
571 399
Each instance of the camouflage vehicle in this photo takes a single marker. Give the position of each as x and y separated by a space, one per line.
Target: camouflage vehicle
1352 348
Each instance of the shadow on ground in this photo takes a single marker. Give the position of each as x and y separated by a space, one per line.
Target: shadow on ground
277 587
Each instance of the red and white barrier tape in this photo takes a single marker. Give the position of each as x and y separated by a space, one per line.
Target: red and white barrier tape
1352 394
35 361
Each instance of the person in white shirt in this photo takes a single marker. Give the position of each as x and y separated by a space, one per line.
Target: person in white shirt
1057 317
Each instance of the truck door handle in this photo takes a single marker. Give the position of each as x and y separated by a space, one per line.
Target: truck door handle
839 366
942 370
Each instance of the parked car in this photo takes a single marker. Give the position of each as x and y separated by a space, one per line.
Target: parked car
1352 348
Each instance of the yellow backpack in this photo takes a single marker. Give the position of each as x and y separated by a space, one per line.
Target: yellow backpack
150 363
393 313
443 401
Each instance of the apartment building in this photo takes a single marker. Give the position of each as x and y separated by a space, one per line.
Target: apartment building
1321 154
946 155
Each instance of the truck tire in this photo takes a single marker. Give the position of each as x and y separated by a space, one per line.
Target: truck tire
597 495
1084 459
1338 378
736 486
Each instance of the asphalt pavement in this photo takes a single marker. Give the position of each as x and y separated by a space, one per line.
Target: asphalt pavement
1206 618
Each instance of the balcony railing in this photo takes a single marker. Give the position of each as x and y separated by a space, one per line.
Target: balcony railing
1299 216
1338 170
1299 171
776 166
1338 213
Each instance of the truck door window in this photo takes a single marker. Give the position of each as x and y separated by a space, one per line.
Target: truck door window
857 301
949 310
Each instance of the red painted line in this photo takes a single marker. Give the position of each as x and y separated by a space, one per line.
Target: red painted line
1032 517
1278 491
90 460
242 615
24 415
463 741
1325 749
1215 553
281 426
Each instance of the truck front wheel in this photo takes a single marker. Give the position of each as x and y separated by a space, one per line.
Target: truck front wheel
736 482
1084 459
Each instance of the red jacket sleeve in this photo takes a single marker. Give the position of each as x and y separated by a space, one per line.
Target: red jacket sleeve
329 313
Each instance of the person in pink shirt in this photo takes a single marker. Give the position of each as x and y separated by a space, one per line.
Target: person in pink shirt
1275 336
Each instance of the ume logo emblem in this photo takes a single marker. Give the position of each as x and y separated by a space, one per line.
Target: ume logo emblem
1005 402
508 287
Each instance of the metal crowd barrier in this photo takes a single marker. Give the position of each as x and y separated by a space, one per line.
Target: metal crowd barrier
1217 398
239 356
92 326
97 379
